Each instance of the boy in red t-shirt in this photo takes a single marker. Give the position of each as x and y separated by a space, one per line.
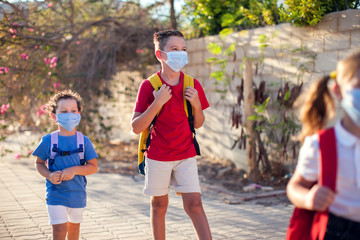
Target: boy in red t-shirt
170 157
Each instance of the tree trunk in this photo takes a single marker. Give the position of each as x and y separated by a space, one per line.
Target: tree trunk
249 100
173 15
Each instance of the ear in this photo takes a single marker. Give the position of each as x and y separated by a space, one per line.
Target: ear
53 117
337 91
158 55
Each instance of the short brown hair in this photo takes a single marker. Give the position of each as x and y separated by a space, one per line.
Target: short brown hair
66 94
161 37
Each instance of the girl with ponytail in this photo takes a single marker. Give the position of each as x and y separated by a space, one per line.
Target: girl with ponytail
305 191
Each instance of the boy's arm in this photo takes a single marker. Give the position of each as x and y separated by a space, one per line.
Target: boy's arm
141 121
89 168
191 94
40 166
305 194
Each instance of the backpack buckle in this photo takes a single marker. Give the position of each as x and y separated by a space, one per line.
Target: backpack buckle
64 153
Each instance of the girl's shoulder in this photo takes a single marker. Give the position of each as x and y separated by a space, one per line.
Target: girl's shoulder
311 142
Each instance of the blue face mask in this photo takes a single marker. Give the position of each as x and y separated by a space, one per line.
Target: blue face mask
351 104
68 120
176 60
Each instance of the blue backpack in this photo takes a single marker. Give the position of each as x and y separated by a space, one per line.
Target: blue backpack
55 151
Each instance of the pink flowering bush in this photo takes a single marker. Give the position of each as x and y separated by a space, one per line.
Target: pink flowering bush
54 45
4 108
4 70
41 110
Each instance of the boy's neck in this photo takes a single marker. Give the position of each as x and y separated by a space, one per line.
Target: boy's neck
170 77
64 132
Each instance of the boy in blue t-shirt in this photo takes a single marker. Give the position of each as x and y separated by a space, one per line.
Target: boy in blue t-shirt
65 173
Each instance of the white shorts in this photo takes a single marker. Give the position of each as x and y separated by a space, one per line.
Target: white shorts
182 174
60 214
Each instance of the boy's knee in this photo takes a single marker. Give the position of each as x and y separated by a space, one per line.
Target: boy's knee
159 204
193 206
59 231
73 226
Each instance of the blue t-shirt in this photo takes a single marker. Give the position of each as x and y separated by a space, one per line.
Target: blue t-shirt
70 193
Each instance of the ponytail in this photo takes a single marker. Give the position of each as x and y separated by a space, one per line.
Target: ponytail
317 108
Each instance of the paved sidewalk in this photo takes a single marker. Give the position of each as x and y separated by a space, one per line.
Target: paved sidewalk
117 208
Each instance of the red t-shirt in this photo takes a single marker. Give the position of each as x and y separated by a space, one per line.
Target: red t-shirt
171 137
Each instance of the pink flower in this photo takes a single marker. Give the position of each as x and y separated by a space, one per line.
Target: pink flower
4 70
36 47
49 73
2 122
4 108
31 29
24 56
53 60
49 5
139 51
13 32
41 110
17 156
77 42
16 24
56 85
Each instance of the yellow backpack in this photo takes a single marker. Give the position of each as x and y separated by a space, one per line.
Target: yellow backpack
144 140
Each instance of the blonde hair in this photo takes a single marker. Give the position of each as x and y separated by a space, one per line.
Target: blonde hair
317 104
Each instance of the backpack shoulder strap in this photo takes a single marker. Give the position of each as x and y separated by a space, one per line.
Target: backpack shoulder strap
328 156
80 145
328 172
188 82
54 144
155 81
144 140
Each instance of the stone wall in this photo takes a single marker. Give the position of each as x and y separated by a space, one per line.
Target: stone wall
290 50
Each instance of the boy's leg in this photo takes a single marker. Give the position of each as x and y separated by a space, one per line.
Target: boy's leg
159 206
58 219
73 230
75 216
193 207
59 231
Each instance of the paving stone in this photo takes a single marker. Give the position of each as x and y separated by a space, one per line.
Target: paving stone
117 209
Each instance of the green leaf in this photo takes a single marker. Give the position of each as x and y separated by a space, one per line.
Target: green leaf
263 38
212 59
230 49
227 20
214 48
218 75
287 95
226 31
255 118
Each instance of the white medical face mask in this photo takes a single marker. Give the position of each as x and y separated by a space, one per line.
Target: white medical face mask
176 60
351 104
68 120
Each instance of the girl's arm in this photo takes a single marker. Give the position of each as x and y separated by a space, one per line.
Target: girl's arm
40 166
89 168
141 121
192 95
308 195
